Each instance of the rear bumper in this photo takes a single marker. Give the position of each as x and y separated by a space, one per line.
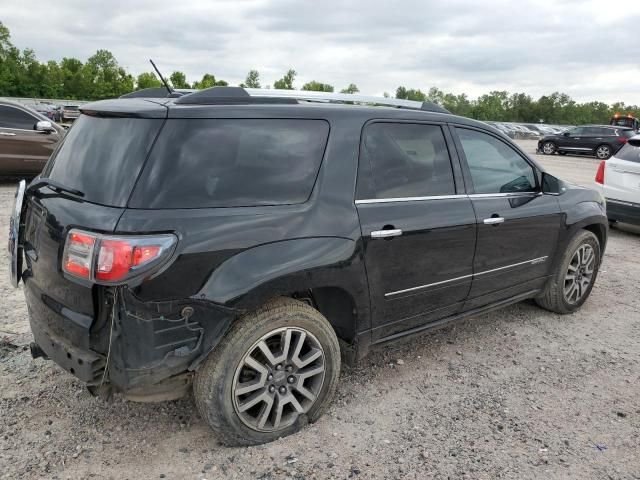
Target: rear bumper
153 345
621 211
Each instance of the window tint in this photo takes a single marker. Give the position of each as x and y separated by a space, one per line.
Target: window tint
102 157
11 117
576 132
495 167
407 160
630 152
199 163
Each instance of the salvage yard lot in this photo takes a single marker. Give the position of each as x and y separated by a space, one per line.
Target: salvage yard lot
518 393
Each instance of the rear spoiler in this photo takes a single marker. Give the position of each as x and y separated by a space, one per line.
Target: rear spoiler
157 93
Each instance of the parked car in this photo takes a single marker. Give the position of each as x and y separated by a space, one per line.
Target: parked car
599 140
70 113
27 139
618 179
241 239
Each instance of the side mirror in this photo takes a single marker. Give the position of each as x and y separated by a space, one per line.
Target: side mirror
552 185
44 126
565 134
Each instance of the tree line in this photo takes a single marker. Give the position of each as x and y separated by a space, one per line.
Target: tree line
100 77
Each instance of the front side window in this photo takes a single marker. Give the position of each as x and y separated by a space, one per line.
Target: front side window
495 167
576 132
407 160
11 117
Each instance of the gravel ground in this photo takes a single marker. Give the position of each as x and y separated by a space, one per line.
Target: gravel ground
519 393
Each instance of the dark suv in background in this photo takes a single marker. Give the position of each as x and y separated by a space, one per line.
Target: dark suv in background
242 240
602 141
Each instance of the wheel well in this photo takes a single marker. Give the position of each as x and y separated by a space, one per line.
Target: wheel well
337 305
599 231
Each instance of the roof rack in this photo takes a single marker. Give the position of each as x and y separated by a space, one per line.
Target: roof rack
243 96
330 97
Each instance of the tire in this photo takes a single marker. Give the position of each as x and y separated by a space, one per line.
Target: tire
548 148
221 381
603 152
555 297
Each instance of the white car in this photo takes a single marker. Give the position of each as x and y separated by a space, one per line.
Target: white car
618 179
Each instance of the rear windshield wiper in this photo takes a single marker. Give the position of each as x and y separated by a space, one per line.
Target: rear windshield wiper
53 185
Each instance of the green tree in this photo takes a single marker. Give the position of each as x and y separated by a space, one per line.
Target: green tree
208 81
410 94
317 86
352 88
252 80
179 80
104 78
147 80
286 82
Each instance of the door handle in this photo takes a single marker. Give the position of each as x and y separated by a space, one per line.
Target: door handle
493 220
7 134
394 232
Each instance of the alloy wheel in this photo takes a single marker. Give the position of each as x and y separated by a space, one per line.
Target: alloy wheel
579 274
278 379
548 148
603 152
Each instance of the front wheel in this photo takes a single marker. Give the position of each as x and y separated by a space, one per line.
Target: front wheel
574 276
548 148
275 371
603 152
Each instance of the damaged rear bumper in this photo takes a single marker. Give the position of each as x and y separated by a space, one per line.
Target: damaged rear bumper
145 350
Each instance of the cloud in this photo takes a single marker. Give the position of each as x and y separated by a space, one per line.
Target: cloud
586 49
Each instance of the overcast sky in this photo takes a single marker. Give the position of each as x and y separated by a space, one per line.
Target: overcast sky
588 49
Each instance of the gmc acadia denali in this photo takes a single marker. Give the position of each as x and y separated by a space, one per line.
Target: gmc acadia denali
243 241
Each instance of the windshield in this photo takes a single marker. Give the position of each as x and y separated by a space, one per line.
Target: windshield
102 157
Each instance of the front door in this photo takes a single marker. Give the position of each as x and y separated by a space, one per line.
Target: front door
23 150
573 141
518 226
418 229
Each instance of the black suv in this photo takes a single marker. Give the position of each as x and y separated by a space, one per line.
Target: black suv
602 141
244 242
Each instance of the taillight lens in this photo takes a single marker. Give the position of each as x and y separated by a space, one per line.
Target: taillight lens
622 139
600 173
109 259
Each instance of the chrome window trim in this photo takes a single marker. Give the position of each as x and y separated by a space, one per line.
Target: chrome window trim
533 261
622 202
447 197
408 199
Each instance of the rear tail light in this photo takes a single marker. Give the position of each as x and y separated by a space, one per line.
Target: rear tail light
600 173
109 259
622 139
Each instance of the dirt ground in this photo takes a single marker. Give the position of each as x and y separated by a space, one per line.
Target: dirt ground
520 393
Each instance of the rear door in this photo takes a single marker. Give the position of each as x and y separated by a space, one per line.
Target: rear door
23 150
518 226
418 226
571 140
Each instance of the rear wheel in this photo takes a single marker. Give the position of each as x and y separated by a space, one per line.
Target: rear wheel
548 148
575 275
603 151
275 371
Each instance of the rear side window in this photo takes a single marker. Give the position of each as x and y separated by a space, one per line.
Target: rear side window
11 117
199 163
628 133
407 160
102 157
630 152
494 166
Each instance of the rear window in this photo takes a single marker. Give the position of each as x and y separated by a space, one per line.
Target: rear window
199 163
628 133
102 157
71 107
630 152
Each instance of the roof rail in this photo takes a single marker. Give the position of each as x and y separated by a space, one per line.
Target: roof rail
159 92
228 96
330 97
